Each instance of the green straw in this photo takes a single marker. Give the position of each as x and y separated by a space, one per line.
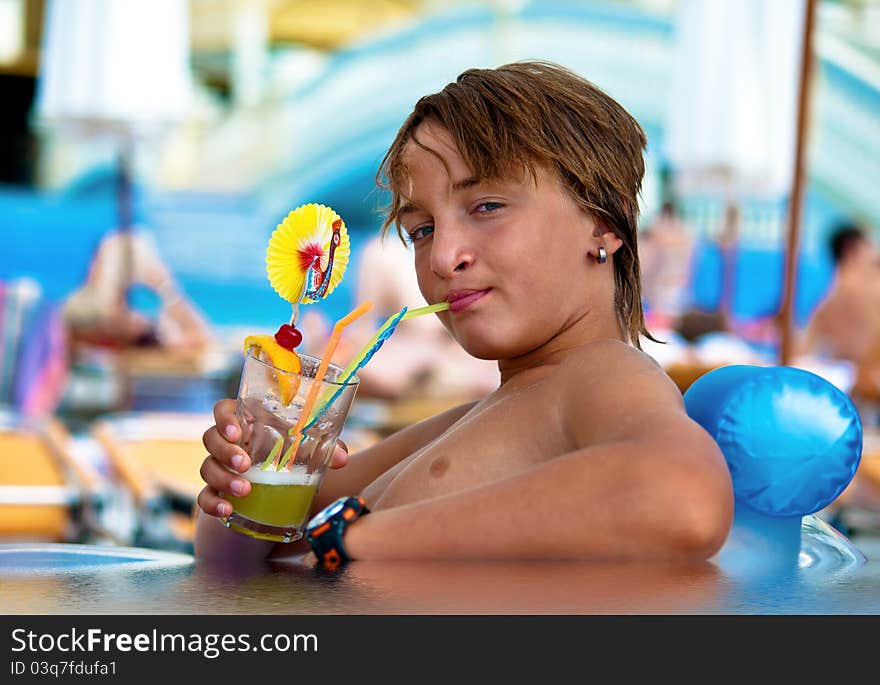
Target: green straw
276 448
429 309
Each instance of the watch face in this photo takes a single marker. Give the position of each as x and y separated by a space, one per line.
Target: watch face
327 512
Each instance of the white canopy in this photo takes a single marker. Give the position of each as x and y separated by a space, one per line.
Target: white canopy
114 64
733 98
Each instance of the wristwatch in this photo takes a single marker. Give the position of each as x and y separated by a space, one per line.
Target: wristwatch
324 532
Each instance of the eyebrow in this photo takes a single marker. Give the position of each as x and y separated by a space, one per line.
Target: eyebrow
406 209
463 184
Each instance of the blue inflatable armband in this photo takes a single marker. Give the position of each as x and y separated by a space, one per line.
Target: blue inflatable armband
792 442
791 439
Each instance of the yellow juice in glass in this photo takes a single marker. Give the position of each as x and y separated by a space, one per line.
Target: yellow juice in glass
280 499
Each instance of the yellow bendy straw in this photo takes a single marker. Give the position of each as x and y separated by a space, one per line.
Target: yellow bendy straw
315 388
368 350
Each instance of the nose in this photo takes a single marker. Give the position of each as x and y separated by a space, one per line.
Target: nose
451 251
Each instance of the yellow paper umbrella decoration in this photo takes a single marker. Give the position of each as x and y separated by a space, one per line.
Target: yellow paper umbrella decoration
308 254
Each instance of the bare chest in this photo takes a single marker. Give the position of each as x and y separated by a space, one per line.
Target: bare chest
498 438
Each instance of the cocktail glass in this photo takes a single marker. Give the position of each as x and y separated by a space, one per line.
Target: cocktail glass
283 485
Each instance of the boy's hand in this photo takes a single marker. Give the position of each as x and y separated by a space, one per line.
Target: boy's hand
224 454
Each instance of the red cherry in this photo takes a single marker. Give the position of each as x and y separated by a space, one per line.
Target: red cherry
288 337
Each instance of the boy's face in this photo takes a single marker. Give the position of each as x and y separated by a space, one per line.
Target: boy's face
512 257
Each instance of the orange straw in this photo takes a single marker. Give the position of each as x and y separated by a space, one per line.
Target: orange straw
312 397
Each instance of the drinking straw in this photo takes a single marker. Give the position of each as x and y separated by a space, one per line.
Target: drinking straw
429 309
362 357
273 454
367 351
384 332
315 388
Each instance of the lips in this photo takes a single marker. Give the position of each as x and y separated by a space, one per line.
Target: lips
459 300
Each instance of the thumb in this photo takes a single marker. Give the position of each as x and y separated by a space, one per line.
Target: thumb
340 455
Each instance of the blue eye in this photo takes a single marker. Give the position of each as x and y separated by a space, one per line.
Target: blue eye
419 233
486 207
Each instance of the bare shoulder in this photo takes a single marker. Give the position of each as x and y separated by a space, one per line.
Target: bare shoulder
616 368
619 398
608 386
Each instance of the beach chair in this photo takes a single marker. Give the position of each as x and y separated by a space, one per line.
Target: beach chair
174 380
156 457
45 493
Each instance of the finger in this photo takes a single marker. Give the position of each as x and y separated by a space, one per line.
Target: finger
224 418
339 459
225 452
340 455
212 504
222 480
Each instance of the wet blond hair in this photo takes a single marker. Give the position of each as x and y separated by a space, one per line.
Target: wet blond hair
529 114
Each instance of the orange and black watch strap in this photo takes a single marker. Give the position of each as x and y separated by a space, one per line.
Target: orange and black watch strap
326 530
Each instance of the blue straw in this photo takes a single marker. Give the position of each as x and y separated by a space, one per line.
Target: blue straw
384 333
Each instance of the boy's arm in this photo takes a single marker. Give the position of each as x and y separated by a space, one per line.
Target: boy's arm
214 541
651 484
637 499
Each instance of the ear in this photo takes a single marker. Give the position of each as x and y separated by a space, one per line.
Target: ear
606 237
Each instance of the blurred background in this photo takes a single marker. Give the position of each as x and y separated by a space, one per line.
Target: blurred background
149 149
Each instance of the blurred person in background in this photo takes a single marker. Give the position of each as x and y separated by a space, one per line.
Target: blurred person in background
846 323
694 336
845 327
721 337
99 313
665 251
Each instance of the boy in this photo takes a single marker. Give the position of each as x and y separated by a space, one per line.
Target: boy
518 189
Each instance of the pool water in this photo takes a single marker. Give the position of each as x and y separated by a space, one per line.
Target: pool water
70 579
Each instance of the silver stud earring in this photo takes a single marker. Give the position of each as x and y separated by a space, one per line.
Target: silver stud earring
603 255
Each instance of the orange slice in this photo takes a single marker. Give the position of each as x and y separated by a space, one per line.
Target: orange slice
282 358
